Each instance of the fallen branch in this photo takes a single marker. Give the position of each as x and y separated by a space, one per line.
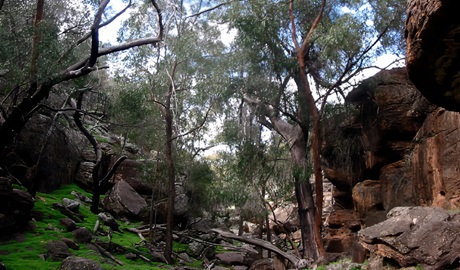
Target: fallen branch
136 231
296 261
107 254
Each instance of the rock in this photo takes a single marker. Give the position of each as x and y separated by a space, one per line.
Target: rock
342 225
82 235
69 224
58 154
57 250
416 235
131 256
237 258
124 201
264 264
374 140
15 208
72 205
70 243
367 196
220 268
77 263
196 249
133 172
84 178
109 221
81 197
433 50
209 252
434 161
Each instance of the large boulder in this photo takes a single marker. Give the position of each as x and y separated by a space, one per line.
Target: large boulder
45 155
57 250
15 207
416 236
433 50
124 201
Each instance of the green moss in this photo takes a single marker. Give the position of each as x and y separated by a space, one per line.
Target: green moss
25 254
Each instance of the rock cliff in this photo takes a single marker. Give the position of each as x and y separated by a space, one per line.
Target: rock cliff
392 148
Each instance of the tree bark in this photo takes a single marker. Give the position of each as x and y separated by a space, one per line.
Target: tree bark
167 114
313 110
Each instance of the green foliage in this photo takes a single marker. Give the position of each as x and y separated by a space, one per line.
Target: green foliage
199 185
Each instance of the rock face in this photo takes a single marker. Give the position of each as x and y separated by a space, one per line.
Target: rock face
416 235
45 154
392 148
433 50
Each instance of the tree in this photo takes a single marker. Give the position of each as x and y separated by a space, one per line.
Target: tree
26 93
278 75
177 74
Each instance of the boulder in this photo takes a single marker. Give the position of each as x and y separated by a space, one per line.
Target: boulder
135 173
433 50
124 201
69 224
45 154
77 263
70 243
57 250
416 236
72 205
82 235
15 207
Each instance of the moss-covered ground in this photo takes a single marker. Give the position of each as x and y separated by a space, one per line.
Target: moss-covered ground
25 250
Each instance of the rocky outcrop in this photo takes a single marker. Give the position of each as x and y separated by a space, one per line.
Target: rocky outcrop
416 236
45 155
366 147
392 148
433 50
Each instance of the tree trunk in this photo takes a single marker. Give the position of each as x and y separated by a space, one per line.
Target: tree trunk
167 114
171 187
304 197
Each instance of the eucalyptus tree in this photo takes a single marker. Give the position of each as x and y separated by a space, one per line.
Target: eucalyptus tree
293 55
182 74
65 47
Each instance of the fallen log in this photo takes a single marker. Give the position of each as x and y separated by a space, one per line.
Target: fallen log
297 262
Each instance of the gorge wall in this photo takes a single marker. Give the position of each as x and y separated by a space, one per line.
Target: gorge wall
392 148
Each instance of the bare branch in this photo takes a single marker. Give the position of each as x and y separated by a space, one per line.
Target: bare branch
313 27
209 9
85 37
195 128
